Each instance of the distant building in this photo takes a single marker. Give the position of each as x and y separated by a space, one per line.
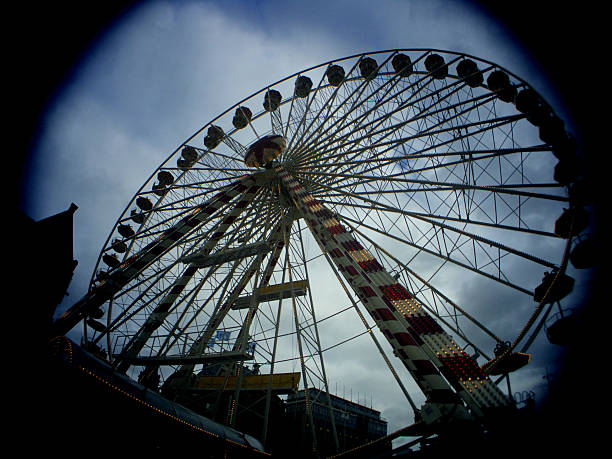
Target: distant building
355 424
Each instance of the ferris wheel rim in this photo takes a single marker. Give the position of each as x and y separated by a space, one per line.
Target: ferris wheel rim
124 215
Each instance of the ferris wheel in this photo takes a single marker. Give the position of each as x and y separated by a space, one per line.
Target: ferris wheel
411 180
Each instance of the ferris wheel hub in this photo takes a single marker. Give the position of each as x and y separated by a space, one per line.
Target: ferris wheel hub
265 150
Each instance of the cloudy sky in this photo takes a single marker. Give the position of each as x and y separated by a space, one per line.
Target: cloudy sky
165 69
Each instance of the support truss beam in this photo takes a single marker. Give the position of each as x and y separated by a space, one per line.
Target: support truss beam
439 366
134 265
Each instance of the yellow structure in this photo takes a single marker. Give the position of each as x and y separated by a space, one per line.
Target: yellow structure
286 286
281 382
273 293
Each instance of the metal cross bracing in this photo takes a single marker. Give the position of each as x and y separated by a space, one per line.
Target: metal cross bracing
439 366
176 237
346 163
226 302
236 200
222 285
310 354
160 313
134 265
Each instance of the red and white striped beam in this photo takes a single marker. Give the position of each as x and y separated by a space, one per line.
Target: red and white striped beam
439 366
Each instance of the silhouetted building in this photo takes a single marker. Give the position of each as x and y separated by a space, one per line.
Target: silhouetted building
43 265
355 424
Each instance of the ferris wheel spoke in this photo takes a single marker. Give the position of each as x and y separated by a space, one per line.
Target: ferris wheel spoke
356 122
444 253
352 95
183 204
223 307
193 161
351 180
153 321
390 145
162 311
364 261
272 104
179 222
120 276
303 108
316 108
191 304
465 177
260 279
170 291
510 189
237 148
427 284
434 223
368 329
431 186
466 155
219 293
180 328
213 157
299 106
330 138
438 252
311 130
464 221
144 286
313 108
240 170
453 209
357 126
193 235
299 336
